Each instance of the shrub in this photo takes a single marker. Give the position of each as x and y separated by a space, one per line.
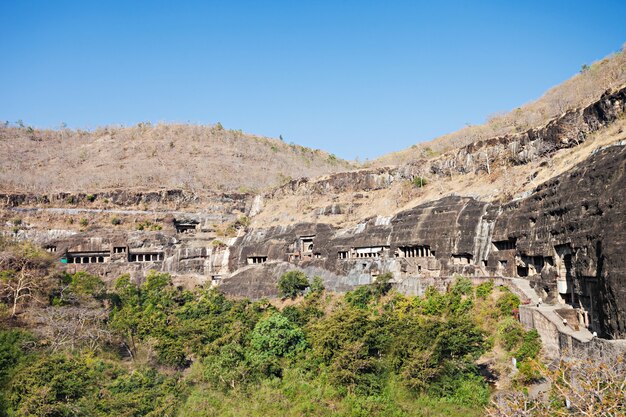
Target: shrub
292 284
12 349
216 243
360 297
528 372
317 286
115 221
148 225
241 223
485 289
530 347
363 295
91 198
508 302
433 303
382 285
84 222
511 333
419 182
462 286
84 284
229 369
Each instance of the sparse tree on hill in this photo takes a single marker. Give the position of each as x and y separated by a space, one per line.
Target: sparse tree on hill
24 274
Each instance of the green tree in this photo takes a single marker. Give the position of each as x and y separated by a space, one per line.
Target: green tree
292 284
317 286
277 336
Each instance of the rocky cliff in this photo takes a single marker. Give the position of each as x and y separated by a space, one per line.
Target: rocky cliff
567 238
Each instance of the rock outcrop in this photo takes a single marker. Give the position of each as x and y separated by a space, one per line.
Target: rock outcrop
568 238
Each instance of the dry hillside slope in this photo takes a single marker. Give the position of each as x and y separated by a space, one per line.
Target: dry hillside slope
577 92
144 157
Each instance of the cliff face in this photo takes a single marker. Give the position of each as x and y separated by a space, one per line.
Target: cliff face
568 238
572 230
163 199
567 131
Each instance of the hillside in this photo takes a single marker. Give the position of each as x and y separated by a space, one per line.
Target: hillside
579 91
179 270
145 157
495 169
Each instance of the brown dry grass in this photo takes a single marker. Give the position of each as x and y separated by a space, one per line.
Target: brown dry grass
146 157
579 91
503 183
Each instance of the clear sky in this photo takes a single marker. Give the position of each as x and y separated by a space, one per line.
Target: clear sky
356 78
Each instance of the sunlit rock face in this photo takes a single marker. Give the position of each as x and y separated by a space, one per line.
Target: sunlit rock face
567 238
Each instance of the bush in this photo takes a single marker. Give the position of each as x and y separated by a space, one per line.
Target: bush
86 285
382 285
91 198
359 297
317 286
508 302
84 222
229 368
511 333
292 284
216 243
242 222
462 286
530 347
485 289
362 296
148 225
433 303
115 221
12 350
419 182
528 372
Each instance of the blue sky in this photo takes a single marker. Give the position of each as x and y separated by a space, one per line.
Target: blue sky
356 78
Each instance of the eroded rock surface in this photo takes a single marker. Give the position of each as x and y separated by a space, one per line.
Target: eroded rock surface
568 238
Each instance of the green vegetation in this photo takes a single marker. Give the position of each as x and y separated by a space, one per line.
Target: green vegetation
419 182
292 284
231 229
148 225
158 350
216 243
